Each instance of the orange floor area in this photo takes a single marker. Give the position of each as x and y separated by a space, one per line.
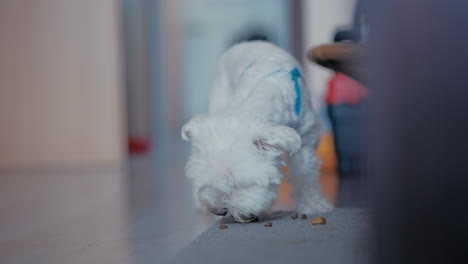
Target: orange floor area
328 176
328 180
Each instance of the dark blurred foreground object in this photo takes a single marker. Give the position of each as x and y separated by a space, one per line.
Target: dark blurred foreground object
418 141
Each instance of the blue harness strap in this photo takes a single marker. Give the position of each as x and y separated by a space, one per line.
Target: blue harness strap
295 75
245 69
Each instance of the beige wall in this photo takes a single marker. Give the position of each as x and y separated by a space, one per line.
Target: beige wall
60 83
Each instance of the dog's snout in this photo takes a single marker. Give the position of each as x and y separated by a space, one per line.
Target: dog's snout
214 199
219 211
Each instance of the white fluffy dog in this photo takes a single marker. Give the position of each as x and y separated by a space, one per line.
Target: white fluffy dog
259 109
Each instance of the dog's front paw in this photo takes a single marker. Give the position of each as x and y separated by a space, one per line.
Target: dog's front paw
315 206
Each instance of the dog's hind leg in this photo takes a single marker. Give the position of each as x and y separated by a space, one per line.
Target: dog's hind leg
304 177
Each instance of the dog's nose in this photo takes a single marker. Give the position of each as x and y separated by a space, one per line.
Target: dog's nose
219 211
248 218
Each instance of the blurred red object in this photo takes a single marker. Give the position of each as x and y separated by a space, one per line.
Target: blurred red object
343 89
138 146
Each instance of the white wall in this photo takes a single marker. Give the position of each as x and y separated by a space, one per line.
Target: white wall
321 19
60 83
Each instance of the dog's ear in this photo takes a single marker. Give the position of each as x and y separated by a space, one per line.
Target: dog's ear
279 137
189 130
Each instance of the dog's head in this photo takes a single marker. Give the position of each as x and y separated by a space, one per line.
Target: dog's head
235 163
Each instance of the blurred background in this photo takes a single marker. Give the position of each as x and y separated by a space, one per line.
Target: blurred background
93 94
92 98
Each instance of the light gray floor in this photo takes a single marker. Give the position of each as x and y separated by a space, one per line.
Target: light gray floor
144 214
140 214
341 240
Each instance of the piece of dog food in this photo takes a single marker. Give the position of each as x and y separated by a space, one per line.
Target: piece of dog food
319 221
294 216
303 216
223 226
269 224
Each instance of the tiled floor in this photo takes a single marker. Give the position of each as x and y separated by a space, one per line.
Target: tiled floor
77 216
140 214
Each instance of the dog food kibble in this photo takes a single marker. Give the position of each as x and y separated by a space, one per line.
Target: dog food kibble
269 224
303 216
319 221
222 226
294 216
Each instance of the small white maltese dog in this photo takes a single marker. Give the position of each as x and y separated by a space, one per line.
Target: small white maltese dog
259 109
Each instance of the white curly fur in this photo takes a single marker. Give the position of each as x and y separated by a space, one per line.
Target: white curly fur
237 146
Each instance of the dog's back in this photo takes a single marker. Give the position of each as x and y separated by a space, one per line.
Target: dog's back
258 78
251 59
